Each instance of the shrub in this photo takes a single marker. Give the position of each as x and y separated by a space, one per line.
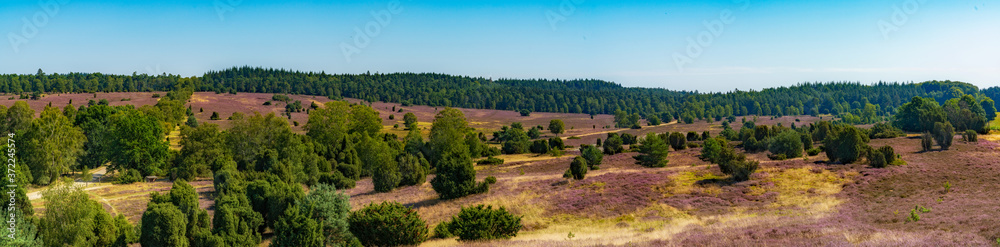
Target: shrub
556 143
483 223
876 160
215 116
888 153
943 134
787 144
337 180
490 161
845 145
456 177
163 225
677 141
613 145
593 156
387 224
441 230
705 135
525 112
629 139
741 170
652 151
330 209
534 133
970 136
540 146
712 149
128 176
814 151
412 170
884 131
807 141
693 136
296 228
557 126
926 141
578 168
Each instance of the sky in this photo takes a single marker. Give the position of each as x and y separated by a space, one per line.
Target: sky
709 46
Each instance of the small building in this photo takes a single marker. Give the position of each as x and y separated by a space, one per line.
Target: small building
150 179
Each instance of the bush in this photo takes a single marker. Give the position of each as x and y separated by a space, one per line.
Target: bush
876 160
652 151
814 151
629 139
456 177
884 131
128 177
787 144
970 136
163 225
441 231
578 168
705 135
483 223
557 126
556 143
215 116
593 156
677 141
387 224
525 112
926 141
845 145
613 145
693 136
337 180
807 141
712 149
881 157
540 146
490 161
412 170
741 170
943 134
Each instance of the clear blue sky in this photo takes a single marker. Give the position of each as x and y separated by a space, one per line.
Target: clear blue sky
635 43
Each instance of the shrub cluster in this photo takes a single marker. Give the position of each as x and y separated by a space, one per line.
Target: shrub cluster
490 161
926 141
944 133
677 141
970 136
481 222
387 224
577 169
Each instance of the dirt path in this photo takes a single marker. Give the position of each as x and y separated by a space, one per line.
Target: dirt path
97 174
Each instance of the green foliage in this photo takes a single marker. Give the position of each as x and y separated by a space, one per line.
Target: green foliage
296 228
677 141
593 156
387 224
693 136
557 143
490 161
989 107
788 143
72 219
652 151
613 145
965 113
364 119
235 222
881 157
163 225
412 169
525 112
456 177
943 134
128 176
331 210
845 144
742 169
482 222
814 151
448 135
441 231
970 136
215 116
515 141
919 115
377 156
540 146
884 131
578 168
200 147
410 121
629 139
557 126
337 179
926 141
51 146
138 143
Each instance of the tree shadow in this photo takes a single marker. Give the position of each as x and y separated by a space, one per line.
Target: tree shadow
424 203
715 181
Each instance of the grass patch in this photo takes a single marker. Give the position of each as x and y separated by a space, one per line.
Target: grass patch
806 187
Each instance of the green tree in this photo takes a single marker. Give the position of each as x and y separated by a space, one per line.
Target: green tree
989 107
200 148
926 141
788 143
557 126
678 141
845 145
235 221
944 134
919 115
296 228
365 120
138 143
482 222
578 168
331 209
966 113
52 146
410 121
540 146
71 218
516 141
18 118
613 145
163 225
652 151
328 126
412 169
448 134
456 177
593 156
653 120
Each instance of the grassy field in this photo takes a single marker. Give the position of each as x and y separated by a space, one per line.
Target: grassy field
798 202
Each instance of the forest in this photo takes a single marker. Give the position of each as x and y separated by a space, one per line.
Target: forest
259 165
852 101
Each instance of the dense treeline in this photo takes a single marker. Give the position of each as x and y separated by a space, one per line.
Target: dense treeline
853 102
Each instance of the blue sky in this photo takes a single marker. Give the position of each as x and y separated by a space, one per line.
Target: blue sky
636 43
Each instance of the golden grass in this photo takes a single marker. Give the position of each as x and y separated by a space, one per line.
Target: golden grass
175 138
683 183
805 188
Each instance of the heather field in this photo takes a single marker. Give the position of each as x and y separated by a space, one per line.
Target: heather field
690 202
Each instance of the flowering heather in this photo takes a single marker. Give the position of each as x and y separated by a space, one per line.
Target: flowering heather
606 195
